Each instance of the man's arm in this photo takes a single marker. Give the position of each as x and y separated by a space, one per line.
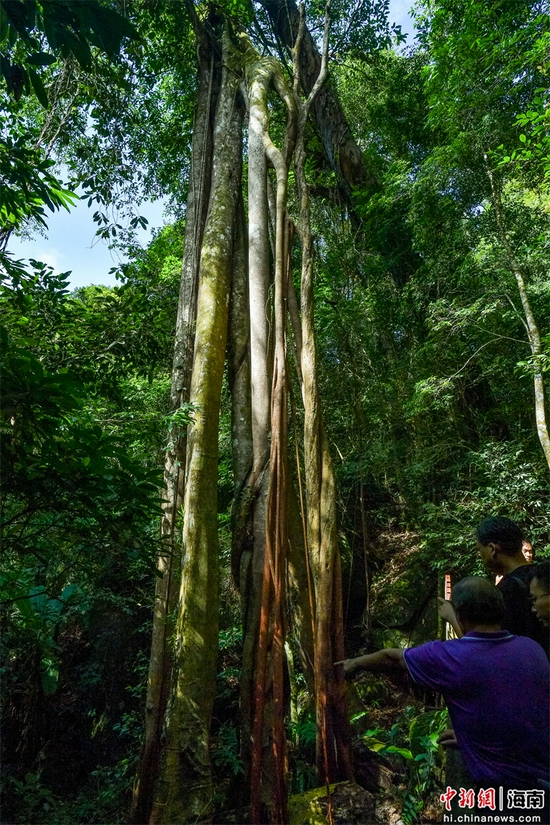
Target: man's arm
387 659
447 612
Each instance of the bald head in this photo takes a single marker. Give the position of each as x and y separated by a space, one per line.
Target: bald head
478 602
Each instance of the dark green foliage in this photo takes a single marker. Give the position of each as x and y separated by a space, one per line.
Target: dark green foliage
79 508
91 723
84 391
27 184
356 28
69 29
101 335
424 352
72 31
66 478
142 114
73 495
413 739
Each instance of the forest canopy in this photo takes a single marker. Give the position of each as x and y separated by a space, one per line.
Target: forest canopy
270 442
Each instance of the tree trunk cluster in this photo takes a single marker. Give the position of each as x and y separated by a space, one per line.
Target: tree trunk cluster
238 300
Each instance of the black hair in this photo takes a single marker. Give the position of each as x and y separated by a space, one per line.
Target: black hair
541 572
501 531
477 601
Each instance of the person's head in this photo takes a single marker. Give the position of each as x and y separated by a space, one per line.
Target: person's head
527 550
499 541
477 602
540 590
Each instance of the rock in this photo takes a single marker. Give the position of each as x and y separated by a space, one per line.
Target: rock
351 805
372 771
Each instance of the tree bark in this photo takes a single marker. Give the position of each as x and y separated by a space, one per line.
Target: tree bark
343 154
264 658
169 563
271 657
300 585
185 788
262 536
238 353
242 513
334 759
251 572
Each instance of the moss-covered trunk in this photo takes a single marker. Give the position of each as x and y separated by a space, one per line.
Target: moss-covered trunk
184 791
169 563
270 545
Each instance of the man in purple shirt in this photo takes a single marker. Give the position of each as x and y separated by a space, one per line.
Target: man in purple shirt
496 686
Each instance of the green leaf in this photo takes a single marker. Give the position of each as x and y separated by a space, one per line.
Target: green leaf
41 59
374 744
49 676
4 24
69 592
401 751
24 607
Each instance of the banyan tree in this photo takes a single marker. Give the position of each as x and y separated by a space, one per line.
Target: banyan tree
246 300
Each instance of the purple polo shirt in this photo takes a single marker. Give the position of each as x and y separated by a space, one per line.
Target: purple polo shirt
497 689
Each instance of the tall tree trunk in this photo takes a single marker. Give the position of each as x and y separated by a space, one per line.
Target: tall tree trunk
169 563
259 427
264 660
260 380
533 333
333 743
185 790
238 357
300 580
271 657
242 459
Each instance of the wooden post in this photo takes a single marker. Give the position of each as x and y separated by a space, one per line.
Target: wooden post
444 630
449 631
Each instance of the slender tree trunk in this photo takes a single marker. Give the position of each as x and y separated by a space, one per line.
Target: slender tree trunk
333 743
300 580
251 571
271 658
264 660
169 563
242 460
300 589
241 409
533 333
185 788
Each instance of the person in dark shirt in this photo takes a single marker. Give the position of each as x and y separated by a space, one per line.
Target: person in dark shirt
500 545
540 591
